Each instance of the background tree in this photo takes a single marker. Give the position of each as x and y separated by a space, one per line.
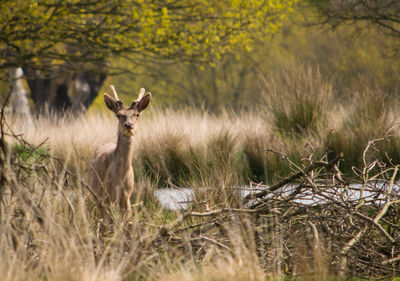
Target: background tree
65 46
234 81
384 14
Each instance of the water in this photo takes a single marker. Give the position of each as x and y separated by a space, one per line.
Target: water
175 199
182 198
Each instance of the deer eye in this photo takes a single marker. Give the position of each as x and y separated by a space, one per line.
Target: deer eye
118 115
137 114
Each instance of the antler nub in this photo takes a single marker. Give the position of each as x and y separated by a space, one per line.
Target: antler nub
114 92
141 93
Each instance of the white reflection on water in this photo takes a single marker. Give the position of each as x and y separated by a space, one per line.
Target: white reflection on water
175 199
181 198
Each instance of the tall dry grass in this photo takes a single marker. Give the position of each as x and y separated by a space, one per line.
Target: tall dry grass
300 100
302 113
49 224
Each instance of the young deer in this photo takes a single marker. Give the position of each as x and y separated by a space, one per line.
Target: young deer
112 178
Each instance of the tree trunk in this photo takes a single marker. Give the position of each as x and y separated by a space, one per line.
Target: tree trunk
18 99
73 92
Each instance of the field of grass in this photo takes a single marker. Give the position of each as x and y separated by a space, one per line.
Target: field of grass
49 225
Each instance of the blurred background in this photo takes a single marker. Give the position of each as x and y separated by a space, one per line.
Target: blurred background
213 55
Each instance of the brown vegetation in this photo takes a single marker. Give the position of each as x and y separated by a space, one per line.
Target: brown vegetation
338 216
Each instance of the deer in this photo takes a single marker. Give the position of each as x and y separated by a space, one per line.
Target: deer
112 177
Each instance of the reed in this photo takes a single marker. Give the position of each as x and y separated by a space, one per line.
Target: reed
49 223
300 100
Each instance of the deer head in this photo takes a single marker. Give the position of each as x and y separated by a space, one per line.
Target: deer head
127 115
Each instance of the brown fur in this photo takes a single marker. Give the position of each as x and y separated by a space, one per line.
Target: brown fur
112 178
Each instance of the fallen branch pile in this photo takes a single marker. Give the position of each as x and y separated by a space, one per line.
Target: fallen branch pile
314 222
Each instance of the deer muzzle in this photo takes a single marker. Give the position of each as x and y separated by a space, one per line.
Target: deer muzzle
128 125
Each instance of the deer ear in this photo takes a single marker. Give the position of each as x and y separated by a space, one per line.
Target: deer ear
134 104
144 102
112 104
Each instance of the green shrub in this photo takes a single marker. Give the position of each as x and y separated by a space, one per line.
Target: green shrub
299 100
369 118
163 160
254 147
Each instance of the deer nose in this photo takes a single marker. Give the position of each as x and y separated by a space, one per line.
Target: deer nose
128 125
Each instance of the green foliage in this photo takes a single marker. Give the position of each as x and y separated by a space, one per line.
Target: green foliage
46 33
28 154
343 55
384 14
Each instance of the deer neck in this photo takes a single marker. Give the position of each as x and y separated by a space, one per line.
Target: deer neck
124 151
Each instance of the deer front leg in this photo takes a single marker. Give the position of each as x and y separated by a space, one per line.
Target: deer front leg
125 200
128 206
125 203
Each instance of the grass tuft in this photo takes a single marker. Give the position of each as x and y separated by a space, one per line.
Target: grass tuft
299 99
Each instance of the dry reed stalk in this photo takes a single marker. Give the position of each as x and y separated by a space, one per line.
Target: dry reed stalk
49 223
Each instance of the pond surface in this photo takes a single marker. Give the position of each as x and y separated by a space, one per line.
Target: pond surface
373 192
175 198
